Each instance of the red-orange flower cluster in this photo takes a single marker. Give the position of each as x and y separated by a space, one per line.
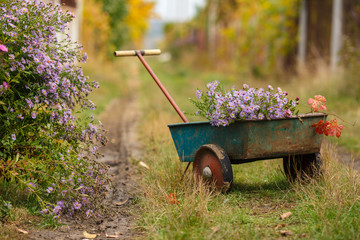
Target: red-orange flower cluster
329 128
318 102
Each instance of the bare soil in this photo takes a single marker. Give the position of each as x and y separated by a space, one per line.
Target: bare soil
349 159
120 119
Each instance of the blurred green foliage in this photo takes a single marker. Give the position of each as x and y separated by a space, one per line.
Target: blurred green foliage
110 25
245 36
117 10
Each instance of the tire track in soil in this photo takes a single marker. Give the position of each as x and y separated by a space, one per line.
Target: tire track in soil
120 120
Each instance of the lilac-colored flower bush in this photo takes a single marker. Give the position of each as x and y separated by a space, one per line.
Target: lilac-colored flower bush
222 108
44 148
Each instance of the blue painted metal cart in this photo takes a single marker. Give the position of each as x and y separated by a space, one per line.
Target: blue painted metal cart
213 149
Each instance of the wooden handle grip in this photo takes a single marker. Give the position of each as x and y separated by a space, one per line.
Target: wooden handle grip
133 52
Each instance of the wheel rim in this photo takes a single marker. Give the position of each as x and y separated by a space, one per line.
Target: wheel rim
208 167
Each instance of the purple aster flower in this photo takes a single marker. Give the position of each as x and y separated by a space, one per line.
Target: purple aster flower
77 205
3 48
60 204
30 187
5 85
13 137
56 209
89 213
49 189
33 115
198 94
44 211
20 116
29 102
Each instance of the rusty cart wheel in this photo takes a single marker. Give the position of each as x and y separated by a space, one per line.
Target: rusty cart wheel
302 167
212 164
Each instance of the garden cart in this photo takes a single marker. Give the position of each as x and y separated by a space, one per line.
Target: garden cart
213 149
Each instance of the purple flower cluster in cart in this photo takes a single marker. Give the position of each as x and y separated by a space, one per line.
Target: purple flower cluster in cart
222 108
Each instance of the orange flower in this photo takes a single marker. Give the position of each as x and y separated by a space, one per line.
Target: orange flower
329 128
318 102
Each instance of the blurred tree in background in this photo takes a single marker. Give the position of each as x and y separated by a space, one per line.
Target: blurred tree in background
95 30
249 36
137 19
117 10
113 24
351 49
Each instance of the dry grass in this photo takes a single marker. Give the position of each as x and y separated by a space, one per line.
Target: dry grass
260 192
18 221
333 202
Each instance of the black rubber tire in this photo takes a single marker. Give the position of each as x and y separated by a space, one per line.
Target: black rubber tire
302 167
214 157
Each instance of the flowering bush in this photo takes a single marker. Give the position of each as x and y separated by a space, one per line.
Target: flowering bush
222 108
44 148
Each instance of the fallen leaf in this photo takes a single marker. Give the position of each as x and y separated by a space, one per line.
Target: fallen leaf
22 231
303 235
279 226
172 198
121 203
89 235
285 215
141 163
111 236
214 229
286 233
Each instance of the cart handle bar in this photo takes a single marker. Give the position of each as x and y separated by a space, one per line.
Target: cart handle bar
127 53
140 54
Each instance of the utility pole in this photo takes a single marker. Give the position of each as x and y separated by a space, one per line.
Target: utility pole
212 15
303 26
336 33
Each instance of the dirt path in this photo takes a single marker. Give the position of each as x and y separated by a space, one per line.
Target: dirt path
348 158
120 119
